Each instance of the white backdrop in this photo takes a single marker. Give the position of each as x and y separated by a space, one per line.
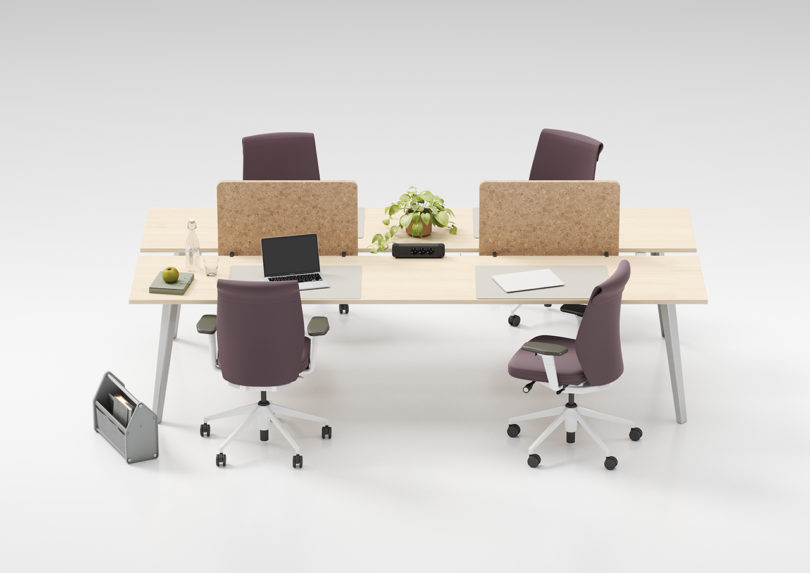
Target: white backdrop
109 108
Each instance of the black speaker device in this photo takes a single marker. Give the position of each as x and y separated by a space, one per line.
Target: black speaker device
417 250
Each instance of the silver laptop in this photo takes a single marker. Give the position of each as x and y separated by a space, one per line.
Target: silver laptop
293 258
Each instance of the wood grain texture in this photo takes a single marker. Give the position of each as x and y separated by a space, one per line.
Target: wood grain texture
641 230
165 229
554 218
247 211
451 280
656 230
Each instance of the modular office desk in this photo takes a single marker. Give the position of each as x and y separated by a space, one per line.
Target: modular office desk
663 281
641 230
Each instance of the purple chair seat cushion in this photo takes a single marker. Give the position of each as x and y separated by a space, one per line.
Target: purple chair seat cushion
529 366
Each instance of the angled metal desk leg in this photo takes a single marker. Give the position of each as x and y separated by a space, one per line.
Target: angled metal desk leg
669 322
177 323
660 312
168 328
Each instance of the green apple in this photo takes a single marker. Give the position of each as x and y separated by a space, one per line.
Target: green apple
170 275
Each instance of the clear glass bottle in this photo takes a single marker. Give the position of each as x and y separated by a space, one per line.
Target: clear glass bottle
193 259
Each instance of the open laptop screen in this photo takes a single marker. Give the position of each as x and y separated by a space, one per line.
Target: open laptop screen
293 255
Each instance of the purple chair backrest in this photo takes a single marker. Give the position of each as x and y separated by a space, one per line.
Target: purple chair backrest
565 156
280 157
599 345
260 332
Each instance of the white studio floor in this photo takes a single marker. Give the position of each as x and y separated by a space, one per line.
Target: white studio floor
109 109
420 472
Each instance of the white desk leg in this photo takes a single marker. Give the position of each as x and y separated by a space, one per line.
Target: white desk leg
176 320
670 326
168 328
177 323
660 312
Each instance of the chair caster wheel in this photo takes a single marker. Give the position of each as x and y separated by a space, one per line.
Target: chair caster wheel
343 308
298 461
635 434
220 460
514 320
513 430
533 461
547 305
326 433
205 430
611 462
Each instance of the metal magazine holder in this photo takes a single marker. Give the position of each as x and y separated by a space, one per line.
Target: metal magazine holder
137 440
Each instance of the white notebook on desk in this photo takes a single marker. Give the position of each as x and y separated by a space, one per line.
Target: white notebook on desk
527 280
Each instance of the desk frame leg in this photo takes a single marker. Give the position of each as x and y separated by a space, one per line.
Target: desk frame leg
660 312
670 325
176 323
168 329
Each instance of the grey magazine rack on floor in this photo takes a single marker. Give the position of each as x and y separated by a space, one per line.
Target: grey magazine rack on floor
132 433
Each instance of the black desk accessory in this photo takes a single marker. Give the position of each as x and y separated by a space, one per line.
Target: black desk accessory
417 250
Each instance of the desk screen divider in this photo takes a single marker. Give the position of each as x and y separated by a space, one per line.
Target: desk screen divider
247 211
549 218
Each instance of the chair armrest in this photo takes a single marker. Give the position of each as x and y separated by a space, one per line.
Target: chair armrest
207 324
318 326
545 348
577 309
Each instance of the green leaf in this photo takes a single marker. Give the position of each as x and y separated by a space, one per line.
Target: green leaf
404 197
416 230
386 221
377 237
442 218
405 220
426 219
450 211
453 229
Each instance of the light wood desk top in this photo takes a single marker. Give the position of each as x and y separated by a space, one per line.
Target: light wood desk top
656 230
451 280
641 230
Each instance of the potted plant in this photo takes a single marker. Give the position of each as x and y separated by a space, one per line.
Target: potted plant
420 211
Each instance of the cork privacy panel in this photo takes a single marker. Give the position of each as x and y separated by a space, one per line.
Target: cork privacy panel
250 210
549 218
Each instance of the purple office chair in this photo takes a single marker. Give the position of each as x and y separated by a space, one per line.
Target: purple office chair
280 157
563 156
591 362
259 328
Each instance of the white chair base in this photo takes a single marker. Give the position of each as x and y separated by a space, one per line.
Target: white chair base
572 416
267 415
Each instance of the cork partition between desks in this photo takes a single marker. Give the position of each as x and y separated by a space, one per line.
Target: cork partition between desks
247 211
548 218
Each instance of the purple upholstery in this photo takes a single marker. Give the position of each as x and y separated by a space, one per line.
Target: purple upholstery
260 332
595 357
565 156
280 157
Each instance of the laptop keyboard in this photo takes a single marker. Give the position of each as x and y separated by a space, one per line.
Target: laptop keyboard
300 278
